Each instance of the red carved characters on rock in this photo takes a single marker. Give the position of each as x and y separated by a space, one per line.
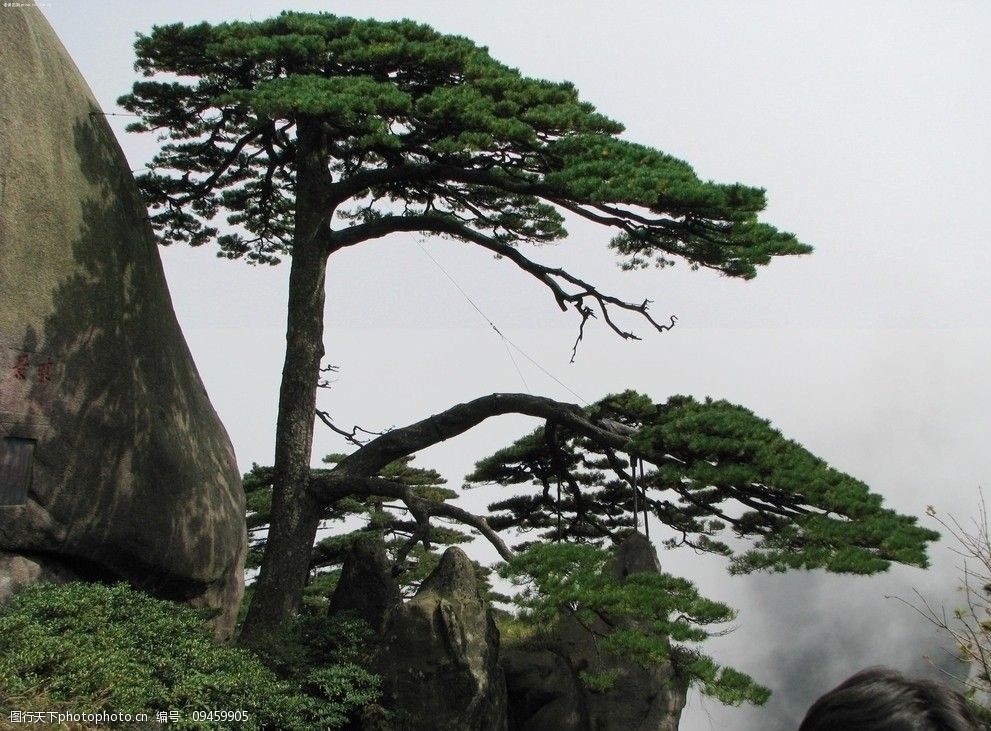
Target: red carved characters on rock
25 380
21 365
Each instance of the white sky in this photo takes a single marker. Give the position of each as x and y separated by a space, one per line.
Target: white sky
866 122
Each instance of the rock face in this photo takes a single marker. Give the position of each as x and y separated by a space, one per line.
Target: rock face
544 690
544 683
113 463
439 664
17 572
636 555
367 587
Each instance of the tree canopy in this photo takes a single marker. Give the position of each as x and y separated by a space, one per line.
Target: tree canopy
421 131
310 133
649 618
710 473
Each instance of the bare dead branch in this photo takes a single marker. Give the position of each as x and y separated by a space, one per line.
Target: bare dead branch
967 626
351 436
577 296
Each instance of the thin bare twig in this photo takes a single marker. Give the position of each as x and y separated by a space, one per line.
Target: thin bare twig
351 436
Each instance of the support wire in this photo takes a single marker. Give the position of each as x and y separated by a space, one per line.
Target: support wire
506 341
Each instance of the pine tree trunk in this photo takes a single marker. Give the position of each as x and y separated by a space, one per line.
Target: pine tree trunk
295 516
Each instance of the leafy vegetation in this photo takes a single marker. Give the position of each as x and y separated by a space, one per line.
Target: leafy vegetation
706 475
648 618
327 657
709 473
92 648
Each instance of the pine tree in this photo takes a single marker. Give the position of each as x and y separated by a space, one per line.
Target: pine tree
310 133
709 475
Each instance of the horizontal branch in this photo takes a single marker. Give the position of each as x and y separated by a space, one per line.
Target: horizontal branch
551 277
359 184
356 474
407 440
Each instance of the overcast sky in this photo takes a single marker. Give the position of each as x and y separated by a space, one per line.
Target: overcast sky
868 125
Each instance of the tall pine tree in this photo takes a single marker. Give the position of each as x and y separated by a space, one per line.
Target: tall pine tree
310 133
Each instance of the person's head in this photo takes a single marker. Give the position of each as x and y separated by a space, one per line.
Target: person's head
880 699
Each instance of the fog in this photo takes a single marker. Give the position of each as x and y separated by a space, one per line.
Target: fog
867 123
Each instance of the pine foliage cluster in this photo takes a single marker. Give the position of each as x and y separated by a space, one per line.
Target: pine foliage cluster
413 122
711 474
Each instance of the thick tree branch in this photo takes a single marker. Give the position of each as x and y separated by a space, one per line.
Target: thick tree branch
356 473
477 522
597 212
410 173
458 419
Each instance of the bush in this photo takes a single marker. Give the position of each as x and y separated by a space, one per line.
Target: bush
93 648
653 618
326 655
968 625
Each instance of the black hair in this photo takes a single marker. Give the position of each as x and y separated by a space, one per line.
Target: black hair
881 699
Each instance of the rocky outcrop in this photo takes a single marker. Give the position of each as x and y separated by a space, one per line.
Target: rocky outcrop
442 668
113 463
545 692
439 662
545 686
18 571
366 588
636 555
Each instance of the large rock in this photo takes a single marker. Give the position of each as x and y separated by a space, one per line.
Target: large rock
545 692
367 587
545 686
113 464
439 662
636 555
17 572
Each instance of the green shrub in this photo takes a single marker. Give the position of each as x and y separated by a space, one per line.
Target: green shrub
655 617
110 648
326 657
